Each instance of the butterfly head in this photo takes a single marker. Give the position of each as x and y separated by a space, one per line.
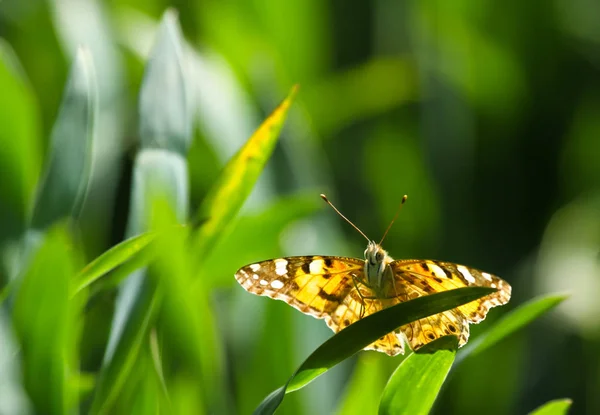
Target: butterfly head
376 261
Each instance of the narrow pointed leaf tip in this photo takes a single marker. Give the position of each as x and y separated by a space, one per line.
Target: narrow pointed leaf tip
111 259
165 106
556 407
238 178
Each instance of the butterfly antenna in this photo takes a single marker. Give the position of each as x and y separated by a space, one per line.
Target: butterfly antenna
345 218
394 220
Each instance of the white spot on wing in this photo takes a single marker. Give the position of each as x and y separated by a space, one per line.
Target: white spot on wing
465 272
486 276
277 284
493 285
254 267
263 282
316 266
281 266
255 276
437 271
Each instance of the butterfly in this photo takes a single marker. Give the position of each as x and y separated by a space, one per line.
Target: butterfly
342 290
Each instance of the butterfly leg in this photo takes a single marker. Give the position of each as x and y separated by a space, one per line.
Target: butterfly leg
362 298
394 285
363 304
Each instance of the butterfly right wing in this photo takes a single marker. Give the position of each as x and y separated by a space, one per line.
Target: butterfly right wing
416 278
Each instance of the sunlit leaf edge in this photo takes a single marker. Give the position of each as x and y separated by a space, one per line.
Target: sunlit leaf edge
111 259
554 407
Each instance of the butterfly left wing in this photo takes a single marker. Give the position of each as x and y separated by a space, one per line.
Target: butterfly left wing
315 285
416 278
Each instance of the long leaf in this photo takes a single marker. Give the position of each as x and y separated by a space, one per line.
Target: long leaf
415 384
113 376
238 178
63 187
43 318
111 259
360 334
193 339
19 152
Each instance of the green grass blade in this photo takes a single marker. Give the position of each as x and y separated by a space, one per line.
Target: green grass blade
415 384
270 404
19 152
194 338
43 318
511 322
556 407
238 178
111 259
363 391
121 361
62 189
114 278
360 334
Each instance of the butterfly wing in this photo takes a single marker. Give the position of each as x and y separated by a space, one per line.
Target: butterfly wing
416 278
314 285
323 287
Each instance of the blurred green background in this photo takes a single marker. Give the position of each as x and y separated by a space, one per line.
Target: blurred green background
487 115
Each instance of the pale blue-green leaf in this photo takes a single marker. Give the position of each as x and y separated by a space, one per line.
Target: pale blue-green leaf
13 398
165 113
62 189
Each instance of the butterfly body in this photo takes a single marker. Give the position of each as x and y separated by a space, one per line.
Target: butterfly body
376 266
